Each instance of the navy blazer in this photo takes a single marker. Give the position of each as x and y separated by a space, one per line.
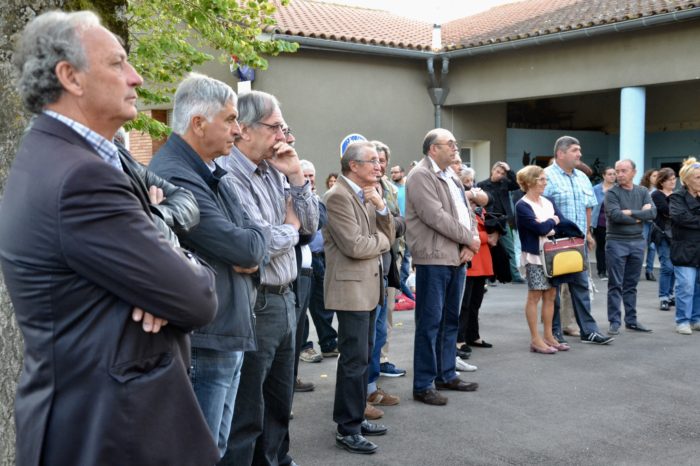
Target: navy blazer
224 237
78 252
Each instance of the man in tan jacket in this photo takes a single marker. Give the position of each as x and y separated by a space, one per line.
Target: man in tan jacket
359 230
442 238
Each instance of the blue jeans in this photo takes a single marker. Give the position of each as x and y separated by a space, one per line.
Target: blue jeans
650 246
624 261
380 335
405 272
215 376
687 295
580 300
666 277
439 290
261 416
322 317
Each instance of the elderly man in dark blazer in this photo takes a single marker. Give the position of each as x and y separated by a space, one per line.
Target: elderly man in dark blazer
359 230
102 382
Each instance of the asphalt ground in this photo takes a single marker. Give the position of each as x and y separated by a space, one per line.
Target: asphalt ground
633 402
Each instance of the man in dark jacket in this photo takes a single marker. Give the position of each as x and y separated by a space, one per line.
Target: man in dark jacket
81 258
498 186
224 238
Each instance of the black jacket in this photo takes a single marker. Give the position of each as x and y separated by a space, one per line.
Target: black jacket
685 224
223 238
499 195
177 214
78 252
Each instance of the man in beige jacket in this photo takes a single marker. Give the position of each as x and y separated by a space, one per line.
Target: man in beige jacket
442 238
359 230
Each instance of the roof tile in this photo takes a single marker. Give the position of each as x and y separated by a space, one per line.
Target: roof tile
519 20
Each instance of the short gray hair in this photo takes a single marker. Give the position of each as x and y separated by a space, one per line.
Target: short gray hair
352 153
199 95
307 165
381 147
563 144
467 171
48 39
429 140
255 106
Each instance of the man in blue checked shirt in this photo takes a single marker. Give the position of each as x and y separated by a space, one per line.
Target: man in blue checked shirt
572 192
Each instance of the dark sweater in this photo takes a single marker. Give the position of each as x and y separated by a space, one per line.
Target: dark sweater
627 227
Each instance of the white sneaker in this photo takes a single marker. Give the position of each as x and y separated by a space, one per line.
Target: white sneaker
695 326
464 366
684 329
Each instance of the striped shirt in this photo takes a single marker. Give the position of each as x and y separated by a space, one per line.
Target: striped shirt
104 148
572 194
456 193
263 192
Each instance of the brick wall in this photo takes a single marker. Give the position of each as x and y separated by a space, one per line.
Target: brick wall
141 145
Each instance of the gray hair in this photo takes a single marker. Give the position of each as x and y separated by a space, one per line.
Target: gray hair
307 165
353 153
381 147
48 39
199 95
255 106
564 142
429 139
467 171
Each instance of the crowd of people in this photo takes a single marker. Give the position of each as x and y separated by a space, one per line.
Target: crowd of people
177 294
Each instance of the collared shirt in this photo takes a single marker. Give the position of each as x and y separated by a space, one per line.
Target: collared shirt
263 192
456 193
361 195
572 193
104 148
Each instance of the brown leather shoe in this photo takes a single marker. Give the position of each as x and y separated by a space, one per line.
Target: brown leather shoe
381 398
430 397
458 385
372 413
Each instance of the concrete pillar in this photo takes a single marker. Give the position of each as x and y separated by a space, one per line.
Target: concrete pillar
632 116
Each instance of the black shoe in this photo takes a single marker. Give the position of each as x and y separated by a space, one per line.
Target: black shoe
665 306
672 302
650 276
369 428
355 444
464 353
596 338
560 338
638 328
614 329
430 397
457 385
300 386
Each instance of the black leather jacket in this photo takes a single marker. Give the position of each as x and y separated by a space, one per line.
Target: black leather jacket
685 223
177 214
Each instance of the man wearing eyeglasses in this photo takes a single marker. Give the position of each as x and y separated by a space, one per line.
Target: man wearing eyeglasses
360 229
442 238
266 173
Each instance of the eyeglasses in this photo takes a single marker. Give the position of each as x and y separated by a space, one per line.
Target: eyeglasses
287 131
274 128
450 144
372 161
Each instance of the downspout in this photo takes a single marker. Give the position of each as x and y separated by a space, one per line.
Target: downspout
437 89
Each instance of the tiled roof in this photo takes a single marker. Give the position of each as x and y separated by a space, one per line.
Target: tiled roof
519 20
345 23
530 18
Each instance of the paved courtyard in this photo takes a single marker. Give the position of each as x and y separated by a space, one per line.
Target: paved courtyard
635 402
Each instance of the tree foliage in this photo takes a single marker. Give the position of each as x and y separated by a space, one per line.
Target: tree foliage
167 38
